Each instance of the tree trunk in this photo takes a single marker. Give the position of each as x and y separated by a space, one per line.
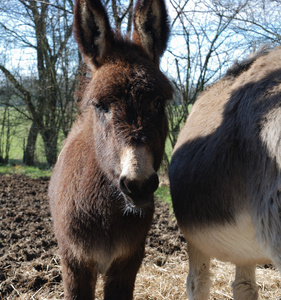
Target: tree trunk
50 145
28 157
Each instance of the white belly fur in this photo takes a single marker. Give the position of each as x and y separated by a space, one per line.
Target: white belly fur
234 243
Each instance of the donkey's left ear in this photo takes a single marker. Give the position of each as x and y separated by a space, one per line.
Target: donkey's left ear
151 27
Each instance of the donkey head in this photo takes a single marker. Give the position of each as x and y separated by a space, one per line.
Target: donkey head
126 94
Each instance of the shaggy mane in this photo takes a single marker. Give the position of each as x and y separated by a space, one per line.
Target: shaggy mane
244 65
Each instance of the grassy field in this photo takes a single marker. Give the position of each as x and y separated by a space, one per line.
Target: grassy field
17 147
33 172
18 131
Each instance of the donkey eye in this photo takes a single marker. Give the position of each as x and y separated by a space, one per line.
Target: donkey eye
102 108
156 104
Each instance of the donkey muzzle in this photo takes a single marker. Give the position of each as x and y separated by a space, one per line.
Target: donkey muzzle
138 180
139 191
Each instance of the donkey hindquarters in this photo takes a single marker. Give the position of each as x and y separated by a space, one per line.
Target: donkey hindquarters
225 175
101 190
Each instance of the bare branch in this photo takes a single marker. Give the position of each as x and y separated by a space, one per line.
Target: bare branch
26 94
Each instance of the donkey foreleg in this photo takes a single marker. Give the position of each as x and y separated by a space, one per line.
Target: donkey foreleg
244 285
120 278
198 280
79 280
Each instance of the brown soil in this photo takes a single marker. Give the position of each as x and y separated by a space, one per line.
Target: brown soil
29 263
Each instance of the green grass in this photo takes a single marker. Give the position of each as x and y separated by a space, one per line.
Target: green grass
163 193
19 129
33 172
17 146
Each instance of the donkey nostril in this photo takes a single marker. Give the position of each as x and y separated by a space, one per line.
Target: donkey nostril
139 187
123 184
153 182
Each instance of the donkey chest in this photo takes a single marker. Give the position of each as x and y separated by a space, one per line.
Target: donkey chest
101 242
236 242
101 255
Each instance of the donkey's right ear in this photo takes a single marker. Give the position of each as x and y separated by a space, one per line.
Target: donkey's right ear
92 31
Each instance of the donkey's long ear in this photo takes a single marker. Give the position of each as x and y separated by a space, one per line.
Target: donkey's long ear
151 27
92 31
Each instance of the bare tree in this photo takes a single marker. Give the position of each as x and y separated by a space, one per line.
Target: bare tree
122 12
200 49
207 37
9 119
258 21
46 28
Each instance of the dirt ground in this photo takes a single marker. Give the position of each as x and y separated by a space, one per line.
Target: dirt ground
29 263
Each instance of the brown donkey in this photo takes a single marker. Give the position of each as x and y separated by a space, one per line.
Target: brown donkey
225 175
101 190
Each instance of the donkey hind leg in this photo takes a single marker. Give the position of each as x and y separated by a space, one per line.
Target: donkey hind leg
198 280
120 278
79 280
244 285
